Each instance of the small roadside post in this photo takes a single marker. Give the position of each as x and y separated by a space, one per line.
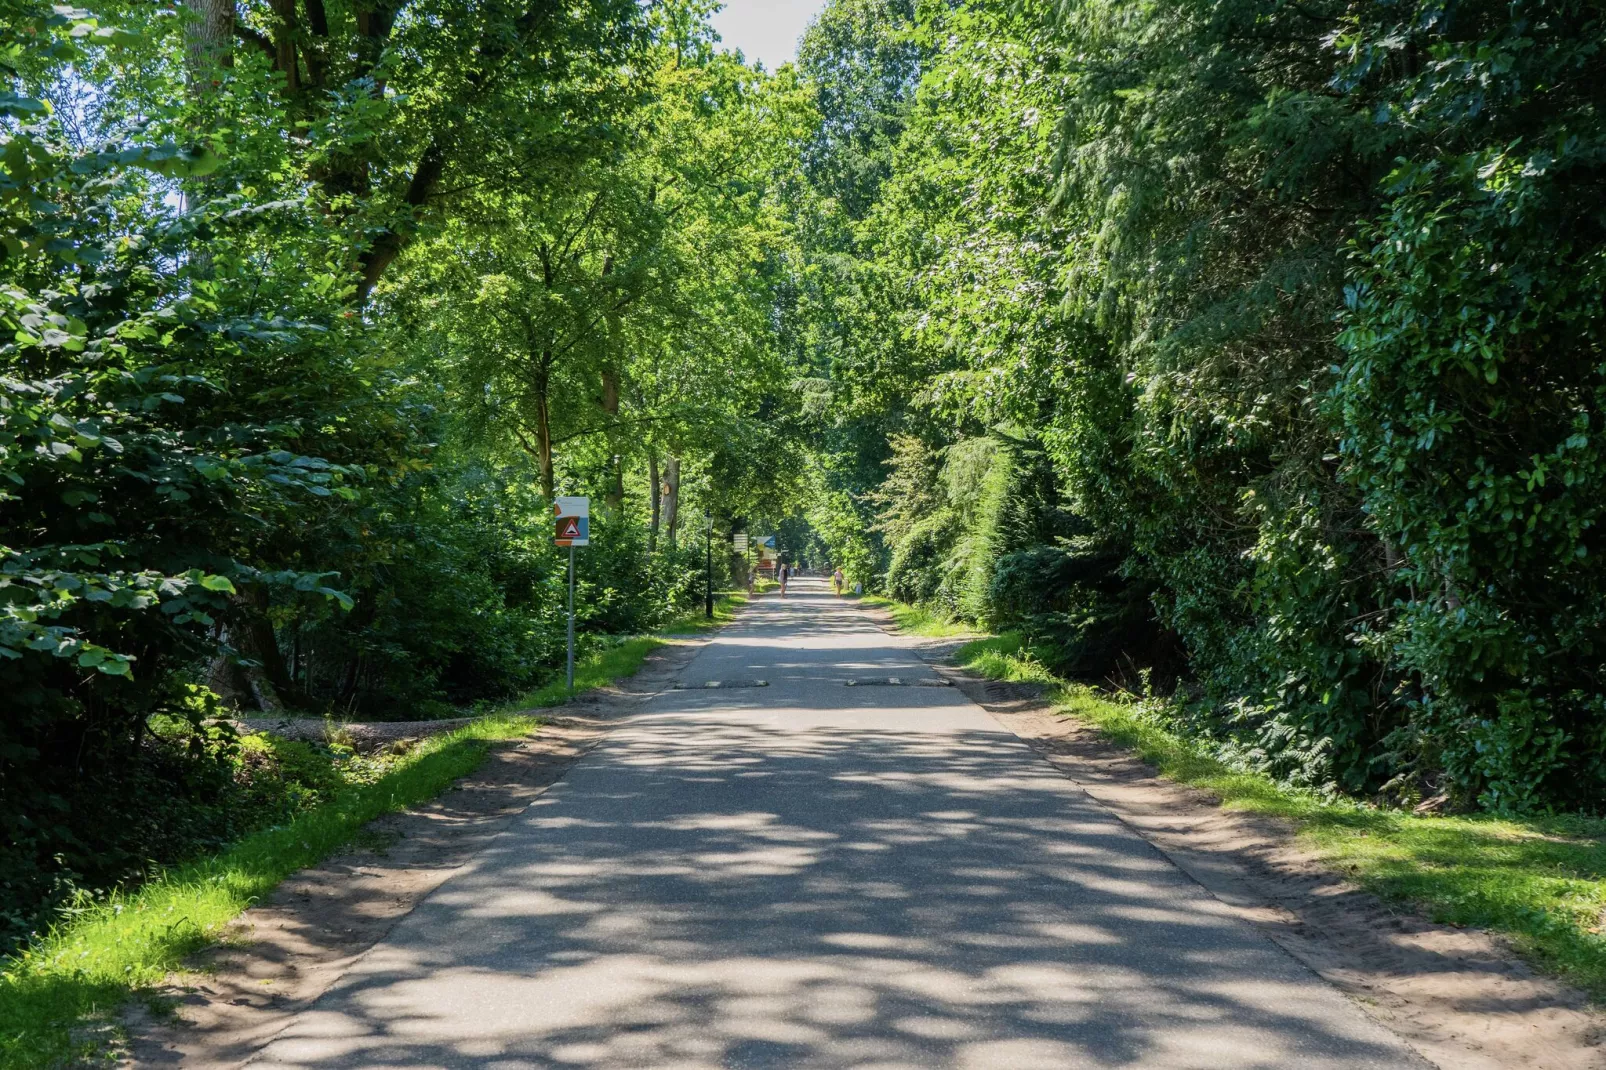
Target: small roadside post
573 529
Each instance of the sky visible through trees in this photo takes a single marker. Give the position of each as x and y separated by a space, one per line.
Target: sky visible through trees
765 31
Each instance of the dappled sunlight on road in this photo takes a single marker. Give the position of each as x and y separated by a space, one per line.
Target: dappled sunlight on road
819 882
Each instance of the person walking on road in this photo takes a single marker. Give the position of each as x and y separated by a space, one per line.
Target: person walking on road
784 574
836 581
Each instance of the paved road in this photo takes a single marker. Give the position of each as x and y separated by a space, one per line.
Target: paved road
815 875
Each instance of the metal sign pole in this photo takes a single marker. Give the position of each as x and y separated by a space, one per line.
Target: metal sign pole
573 529
571 617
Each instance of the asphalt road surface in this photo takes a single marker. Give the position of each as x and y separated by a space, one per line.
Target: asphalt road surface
812 874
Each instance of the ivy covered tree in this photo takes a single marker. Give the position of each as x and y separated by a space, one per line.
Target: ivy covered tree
1301 304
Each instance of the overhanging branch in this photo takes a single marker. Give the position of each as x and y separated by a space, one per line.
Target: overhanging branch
388 246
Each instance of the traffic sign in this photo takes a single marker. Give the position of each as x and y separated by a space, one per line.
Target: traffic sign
573 529
573 521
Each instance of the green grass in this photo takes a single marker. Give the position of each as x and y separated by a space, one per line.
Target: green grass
918 620
1539 881
599 670
624 658
130 942
725 607
88 967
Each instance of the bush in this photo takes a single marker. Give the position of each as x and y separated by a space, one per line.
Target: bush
919 559
1074 607
1472 392
190 789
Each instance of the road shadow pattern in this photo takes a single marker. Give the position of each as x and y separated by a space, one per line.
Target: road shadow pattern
708 892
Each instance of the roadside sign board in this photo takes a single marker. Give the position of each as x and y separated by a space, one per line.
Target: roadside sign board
573 526
739 542
767 540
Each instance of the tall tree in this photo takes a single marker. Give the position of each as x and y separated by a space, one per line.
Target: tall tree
622 303
401 106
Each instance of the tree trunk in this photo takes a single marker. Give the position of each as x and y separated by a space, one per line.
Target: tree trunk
348 686
284 43
224 677
657 497
543 426
388 246
208 51
269 682
357 622
671 497
262 691
245 687
314 51
614 499
208 42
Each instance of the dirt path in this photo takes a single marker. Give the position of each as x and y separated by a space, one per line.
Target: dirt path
1462 998
276 958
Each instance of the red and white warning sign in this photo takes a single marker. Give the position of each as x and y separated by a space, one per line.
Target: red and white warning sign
573 521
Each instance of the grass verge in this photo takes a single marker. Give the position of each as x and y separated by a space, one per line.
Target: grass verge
118 949
917 620
1539 881
124 945
624 658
